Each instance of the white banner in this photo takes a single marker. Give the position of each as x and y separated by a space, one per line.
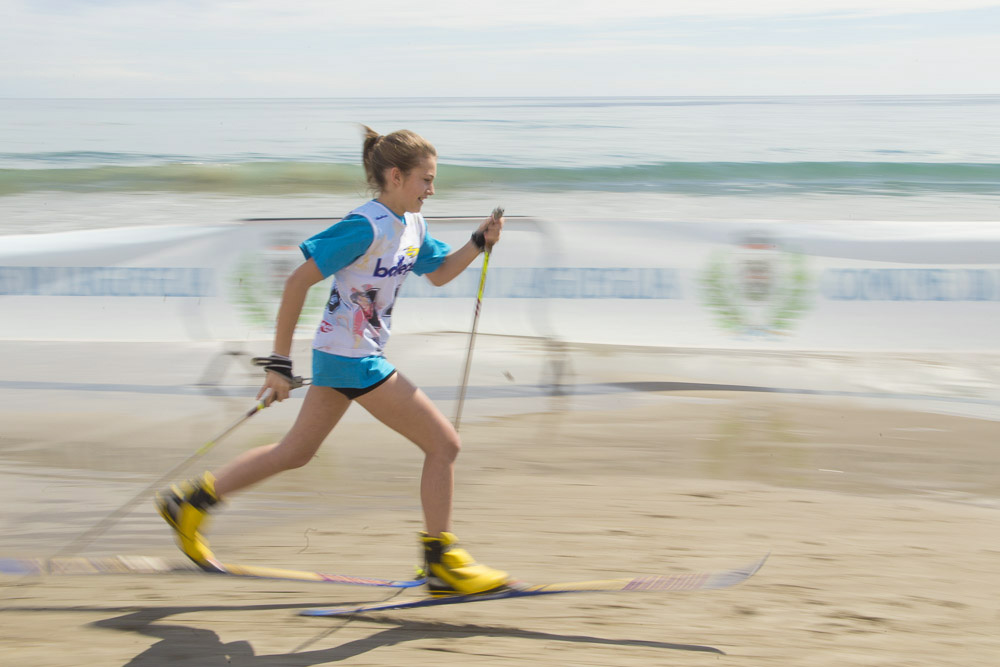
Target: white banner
785 286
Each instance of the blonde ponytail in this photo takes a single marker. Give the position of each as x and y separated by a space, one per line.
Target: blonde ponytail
402 149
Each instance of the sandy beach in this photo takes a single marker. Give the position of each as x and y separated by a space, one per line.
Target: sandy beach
880 517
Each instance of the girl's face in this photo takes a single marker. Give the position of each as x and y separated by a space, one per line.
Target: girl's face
406 192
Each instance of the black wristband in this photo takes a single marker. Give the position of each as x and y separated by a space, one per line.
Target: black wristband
479 238
281 365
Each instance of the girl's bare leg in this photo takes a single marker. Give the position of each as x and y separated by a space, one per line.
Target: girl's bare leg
400 405
321 410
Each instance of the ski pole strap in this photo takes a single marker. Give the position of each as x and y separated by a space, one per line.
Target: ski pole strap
282 365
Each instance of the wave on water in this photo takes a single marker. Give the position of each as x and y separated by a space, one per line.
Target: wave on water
699 178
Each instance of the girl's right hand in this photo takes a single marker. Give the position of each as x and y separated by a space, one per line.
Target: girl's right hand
491 228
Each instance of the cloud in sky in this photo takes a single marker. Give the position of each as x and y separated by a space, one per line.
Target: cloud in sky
318 48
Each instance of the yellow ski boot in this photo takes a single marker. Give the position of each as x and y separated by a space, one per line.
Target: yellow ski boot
452 571
185 508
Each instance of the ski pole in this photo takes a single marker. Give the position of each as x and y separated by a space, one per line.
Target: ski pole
91 534
497 214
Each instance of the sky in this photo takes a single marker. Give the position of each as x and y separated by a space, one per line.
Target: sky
397 48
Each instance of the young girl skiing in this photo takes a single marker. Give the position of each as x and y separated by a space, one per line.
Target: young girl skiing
369 253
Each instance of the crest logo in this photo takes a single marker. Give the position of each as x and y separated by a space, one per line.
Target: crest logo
257 281
757 288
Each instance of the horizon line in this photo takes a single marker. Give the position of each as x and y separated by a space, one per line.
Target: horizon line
508 97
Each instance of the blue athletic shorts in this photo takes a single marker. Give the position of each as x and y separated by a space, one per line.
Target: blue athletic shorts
352 376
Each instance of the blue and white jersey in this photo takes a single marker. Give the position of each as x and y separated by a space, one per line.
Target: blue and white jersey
369 268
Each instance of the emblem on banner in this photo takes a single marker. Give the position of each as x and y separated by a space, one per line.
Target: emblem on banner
258 280
756 288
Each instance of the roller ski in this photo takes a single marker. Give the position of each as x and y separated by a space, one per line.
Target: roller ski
694 581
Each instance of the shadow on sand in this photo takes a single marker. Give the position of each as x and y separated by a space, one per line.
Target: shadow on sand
182 644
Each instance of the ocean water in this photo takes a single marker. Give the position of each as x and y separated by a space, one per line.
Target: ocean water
82 163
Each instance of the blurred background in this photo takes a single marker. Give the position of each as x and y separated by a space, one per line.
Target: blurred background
840 246
746 301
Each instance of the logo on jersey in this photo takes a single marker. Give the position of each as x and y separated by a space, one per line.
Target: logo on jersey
401 268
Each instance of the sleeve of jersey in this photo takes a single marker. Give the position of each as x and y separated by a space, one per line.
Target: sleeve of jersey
339 245
431 254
